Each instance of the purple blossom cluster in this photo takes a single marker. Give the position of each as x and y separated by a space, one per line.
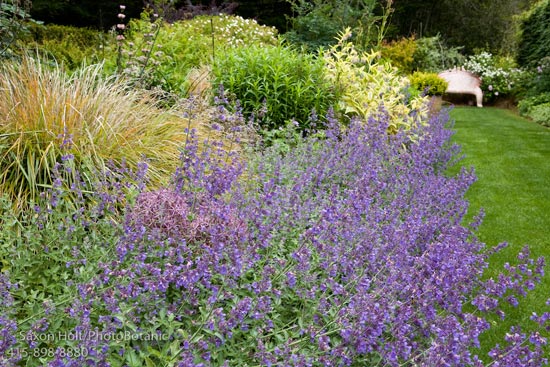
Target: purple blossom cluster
349 249
8 325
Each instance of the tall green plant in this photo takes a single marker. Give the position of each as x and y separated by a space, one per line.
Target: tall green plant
432 54
278 83
13 15
180 47
400 53
73 47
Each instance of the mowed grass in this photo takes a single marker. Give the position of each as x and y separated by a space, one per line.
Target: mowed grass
511 158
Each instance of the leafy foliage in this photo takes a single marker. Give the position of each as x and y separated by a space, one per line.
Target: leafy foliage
470 24
182 46
427 54
536 108
534 41
366 86
172 11
13 24
433 55
69 46
540 82
276 83
527 103
317 23
400 53
540 113
429 83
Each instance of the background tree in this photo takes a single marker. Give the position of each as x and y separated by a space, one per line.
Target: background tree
84 13
534 42
102 13
318 23
474 24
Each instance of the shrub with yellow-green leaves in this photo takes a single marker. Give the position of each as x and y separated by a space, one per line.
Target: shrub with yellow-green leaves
73 47
430 84
366 86
400 53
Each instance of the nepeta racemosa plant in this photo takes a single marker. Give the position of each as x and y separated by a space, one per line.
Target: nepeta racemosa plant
347 250
8 325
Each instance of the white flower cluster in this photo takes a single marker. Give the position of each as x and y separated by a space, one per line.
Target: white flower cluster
495 80
234 31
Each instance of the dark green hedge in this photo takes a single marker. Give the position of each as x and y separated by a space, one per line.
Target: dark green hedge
534 43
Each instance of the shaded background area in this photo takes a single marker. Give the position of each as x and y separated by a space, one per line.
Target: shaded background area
472 24
102 14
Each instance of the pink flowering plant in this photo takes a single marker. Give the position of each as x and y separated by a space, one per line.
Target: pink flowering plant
347 249
137 60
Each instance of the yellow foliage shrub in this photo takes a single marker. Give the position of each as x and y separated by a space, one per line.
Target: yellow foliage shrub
366 86
400 53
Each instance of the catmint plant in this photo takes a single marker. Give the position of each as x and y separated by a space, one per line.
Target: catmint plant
348 248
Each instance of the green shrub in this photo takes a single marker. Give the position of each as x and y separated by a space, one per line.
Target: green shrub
400 53
47 114
284 83
498 75
430 83
537 108
14 20
316 23
526 104
432 55
182 46
540 83
534 41
540 114
72 47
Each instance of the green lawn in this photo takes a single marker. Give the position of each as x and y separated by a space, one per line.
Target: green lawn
511 157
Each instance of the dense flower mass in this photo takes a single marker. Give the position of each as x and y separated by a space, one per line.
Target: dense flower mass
346 250
496 80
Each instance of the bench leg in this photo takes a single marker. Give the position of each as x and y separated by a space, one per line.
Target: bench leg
479 97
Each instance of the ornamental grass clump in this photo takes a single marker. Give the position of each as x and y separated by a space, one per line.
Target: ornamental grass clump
47 113
347 250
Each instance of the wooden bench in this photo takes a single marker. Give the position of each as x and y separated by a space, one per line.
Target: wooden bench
463 82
